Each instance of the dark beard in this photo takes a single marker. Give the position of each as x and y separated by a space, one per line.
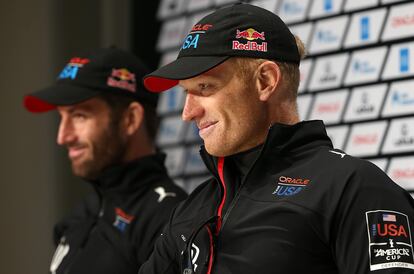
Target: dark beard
109 150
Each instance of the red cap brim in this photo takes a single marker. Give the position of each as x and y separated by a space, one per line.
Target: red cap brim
157 84
34 104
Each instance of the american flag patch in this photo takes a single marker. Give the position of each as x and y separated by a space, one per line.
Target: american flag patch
389 218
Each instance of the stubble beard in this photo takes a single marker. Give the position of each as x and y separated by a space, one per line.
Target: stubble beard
108 150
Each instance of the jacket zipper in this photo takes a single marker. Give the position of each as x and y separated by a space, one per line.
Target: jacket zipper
220 168
211 257
216 175
221 221
236 197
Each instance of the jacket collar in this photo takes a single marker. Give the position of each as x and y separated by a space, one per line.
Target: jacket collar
284 140
297 138
131 176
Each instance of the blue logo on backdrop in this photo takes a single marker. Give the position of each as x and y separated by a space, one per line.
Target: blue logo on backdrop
172 99
326 36
402 98
168 130
404 60
292 8
364 24
194 129
191 41
363 67
327 5
195 160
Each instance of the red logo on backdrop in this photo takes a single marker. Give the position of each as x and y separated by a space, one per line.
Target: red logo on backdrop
328 108
122 78
250 34
403 21
367 139
403 173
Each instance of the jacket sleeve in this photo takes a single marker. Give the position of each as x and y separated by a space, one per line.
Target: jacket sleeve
373 225
163 259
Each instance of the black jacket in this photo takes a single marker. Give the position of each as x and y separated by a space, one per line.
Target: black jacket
114 230
302 207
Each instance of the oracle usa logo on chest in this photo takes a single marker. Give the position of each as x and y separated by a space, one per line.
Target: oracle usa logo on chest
288 186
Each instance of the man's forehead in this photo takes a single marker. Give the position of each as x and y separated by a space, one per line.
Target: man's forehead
89 104
222 71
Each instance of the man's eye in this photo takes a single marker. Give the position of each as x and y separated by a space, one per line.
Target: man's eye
203 86
79 116
206 89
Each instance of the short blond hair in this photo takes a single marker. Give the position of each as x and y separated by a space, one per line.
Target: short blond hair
246 67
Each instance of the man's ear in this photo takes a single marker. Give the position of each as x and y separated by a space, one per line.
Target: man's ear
133 118
267 80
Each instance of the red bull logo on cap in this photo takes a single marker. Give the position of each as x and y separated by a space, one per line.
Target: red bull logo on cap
122 78
123 74
250 34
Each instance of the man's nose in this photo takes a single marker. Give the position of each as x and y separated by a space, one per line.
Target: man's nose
65 133
192 108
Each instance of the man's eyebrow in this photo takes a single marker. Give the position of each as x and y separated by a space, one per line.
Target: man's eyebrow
85 107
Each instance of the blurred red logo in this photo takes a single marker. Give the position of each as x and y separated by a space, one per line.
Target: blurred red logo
403 173
366 139
123 74
405 20
79 62
328 107
122 78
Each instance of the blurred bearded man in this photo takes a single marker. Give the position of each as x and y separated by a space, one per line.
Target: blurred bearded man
108 123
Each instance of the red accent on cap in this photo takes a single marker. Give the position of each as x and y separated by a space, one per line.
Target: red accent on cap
79 61
157 84
34 104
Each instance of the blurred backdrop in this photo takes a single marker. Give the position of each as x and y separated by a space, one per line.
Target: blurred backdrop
358 78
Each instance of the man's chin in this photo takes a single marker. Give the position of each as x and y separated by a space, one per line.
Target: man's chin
216 150
83 172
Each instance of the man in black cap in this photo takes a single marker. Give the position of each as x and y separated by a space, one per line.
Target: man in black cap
282 199
108 123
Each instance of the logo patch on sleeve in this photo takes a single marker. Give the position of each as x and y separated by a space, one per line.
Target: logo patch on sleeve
390 242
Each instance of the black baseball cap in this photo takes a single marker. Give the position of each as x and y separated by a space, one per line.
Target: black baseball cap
240 30
106 70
